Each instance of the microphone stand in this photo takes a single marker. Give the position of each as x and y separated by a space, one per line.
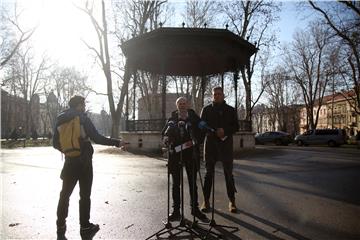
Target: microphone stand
182 223
212 224
167 224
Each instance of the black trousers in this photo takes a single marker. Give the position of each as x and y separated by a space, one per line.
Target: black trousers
191 167
75 170
223 152
229 179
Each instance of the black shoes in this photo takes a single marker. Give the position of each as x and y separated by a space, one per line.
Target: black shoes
175 216
60 231
89 231
198 214
86 232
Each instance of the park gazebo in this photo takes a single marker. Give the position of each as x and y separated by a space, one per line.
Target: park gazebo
200 52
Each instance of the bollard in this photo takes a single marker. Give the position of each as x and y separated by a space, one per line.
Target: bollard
140 144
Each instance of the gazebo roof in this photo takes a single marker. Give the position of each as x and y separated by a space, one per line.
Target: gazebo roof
188 51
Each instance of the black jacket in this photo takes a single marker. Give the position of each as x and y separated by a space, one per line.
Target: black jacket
220 116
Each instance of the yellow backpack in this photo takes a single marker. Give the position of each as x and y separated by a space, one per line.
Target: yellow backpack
69 137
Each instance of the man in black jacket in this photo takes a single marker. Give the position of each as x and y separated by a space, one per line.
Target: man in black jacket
181 138
78 168
222 118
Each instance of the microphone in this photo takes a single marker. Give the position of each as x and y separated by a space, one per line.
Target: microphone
181 125
204 126
171 125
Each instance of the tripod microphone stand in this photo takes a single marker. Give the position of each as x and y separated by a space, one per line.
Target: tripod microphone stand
212 224
167 225
182 227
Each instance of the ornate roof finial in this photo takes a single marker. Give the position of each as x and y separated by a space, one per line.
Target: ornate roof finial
226 26
183 24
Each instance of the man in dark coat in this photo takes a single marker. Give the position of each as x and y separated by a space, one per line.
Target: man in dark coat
78 168
222 118
184 138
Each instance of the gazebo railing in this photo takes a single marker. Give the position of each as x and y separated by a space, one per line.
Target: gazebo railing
158 124
245 126
144 125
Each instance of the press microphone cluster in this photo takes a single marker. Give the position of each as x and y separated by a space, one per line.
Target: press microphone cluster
204 126
181 125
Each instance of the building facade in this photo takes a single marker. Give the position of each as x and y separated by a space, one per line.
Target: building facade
286 119
335 112
25 118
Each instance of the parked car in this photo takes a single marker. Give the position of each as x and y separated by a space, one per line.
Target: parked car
331 137
278 138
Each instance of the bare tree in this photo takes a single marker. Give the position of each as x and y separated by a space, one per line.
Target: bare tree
343 18
277 98
12 35
25 75
251 20
134 18
102 53
60 85
283 98
308 61
199 14
65 82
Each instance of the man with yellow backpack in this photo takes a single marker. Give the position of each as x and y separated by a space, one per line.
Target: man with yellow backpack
72 134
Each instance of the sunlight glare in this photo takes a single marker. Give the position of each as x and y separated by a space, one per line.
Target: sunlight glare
60 29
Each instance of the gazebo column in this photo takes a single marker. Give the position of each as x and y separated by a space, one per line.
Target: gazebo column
202 83
127 111
236 78
163 98
134 89
127 78
222 81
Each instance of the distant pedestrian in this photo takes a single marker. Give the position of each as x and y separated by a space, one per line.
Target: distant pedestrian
78 168
14 134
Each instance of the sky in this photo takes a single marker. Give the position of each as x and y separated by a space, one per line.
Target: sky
61 29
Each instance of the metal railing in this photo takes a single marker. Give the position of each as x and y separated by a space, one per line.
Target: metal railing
158 124
145 125
245 126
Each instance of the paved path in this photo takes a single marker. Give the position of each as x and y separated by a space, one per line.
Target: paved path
283 193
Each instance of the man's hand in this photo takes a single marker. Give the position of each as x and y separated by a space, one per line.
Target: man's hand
220 133
122 145
166 140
